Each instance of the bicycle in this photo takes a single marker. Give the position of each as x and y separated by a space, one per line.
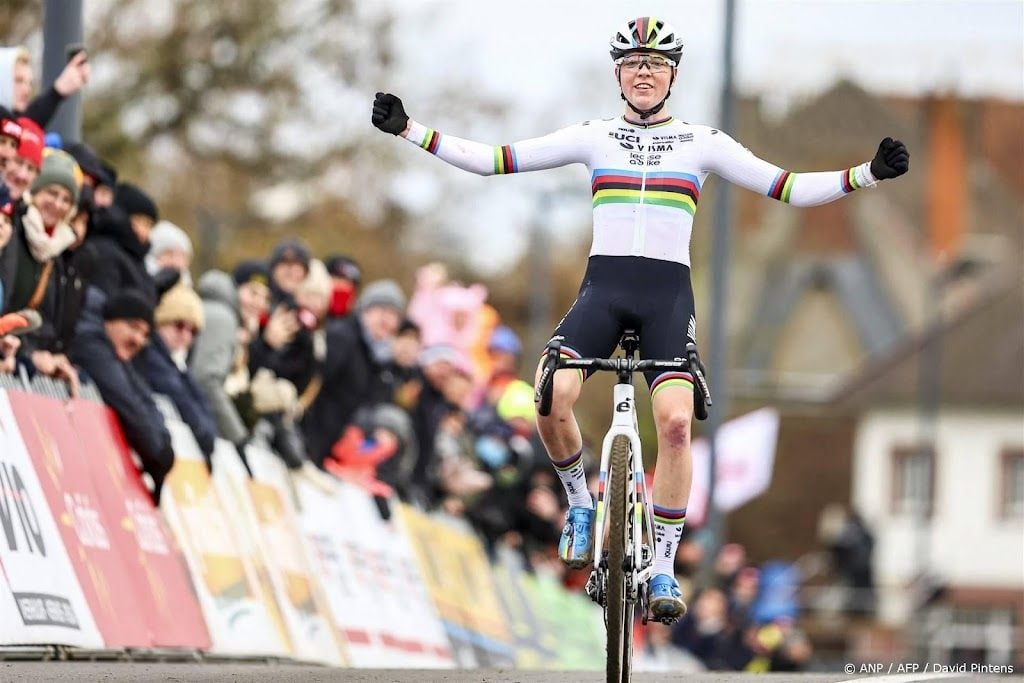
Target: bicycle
622 570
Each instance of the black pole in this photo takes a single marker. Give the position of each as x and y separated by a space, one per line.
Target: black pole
718 353
62 26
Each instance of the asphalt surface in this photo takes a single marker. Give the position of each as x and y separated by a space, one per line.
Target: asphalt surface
188 672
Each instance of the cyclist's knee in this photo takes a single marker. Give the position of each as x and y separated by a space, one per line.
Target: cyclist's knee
564 395
674 426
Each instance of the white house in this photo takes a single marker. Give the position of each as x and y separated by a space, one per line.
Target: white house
938 474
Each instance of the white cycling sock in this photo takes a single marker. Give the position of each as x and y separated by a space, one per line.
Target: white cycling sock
574 480
668 529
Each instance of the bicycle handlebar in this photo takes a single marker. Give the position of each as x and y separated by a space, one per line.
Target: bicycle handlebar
554 362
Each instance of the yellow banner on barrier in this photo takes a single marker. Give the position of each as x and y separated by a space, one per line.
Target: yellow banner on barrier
458 574
241 618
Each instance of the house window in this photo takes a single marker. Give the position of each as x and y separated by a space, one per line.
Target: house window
1011 502
913 480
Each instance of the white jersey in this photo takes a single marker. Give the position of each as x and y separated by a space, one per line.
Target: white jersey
645 181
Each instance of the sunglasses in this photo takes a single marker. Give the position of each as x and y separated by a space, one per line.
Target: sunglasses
655 63
182 326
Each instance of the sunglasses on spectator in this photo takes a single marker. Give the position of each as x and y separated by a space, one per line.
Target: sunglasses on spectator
655 63
182 326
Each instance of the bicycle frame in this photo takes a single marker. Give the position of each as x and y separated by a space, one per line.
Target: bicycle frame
624 423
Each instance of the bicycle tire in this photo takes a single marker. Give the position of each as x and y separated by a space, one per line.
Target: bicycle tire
618 612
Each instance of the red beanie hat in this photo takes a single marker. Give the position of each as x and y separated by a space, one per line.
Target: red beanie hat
31 146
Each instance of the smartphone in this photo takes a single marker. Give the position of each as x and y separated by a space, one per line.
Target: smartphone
73 49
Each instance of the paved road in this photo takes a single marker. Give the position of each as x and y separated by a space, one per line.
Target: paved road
182 673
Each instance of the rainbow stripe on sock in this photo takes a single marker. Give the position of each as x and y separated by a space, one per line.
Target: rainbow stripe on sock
568 463
669 516
782 186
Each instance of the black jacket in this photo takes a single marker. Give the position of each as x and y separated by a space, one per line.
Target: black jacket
165 378
295 362
120 254
63 302
350 380
125 390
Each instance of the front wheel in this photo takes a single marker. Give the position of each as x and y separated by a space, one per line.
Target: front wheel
619 611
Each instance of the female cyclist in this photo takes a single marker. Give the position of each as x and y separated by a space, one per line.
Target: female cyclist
647 171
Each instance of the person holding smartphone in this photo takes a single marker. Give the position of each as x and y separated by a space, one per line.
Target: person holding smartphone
16 82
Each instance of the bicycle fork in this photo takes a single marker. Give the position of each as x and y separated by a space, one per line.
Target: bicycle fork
639 557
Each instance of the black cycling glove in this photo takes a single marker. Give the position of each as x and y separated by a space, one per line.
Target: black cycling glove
891 160
389 114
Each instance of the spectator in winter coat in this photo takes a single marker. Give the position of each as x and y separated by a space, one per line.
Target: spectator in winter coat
252 280
40 277
105 350
179 318
358 349
219 364
16 84
301 359
289 265
217 352
19 173
97 177
120 234
345 278
170 247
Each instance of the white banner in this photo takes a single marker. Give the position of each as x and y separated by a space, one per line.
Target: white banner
375 591
746 457
42 601
235 604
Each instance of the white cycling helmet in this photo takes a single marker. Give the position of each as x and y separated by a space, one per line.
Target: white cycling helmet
648 34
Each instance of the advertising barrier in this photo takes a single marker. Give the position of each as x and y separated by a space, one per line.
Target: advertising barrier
63 468
166 597
524 623
237 612
269 565
381 606
46 602
460 582
270 523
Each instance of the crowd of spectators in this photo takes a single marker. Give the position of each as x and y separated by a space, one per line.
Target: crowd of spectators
419 398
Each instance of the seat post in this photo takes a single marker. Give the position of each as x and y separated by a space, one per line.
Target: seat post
630 342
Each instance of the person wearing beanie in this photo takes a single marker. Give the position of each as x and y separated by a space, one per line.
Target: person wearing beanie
21 170
289 265
104 349
252 283
382 293
179 319
346 277
120 233
170 247
302 346
42 278
356 368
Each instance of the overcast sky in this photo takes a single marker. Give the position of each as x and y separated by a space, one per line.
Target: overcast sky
548 61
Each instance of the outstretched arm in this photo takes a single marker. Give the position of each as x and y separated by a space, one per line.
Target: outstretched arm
737 164
563 147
